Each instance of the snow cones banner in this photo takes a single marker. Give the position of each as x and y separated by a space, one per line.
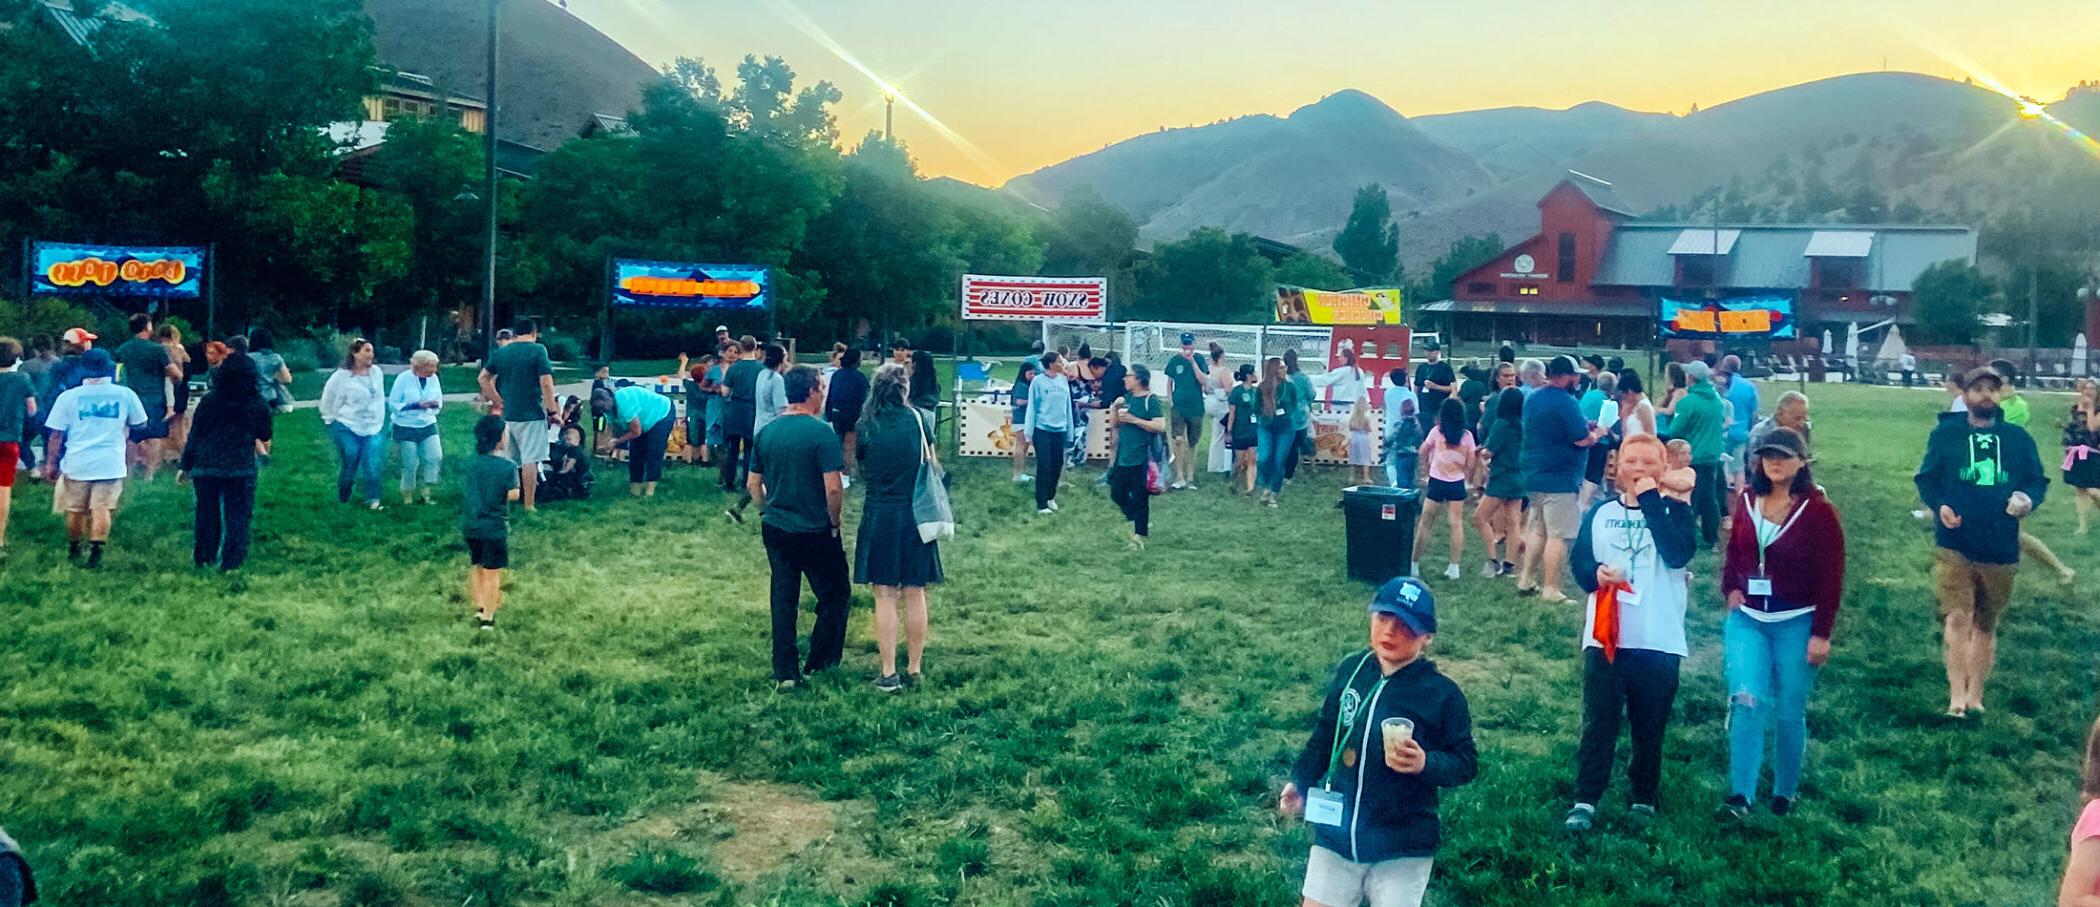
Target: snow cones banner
1034 298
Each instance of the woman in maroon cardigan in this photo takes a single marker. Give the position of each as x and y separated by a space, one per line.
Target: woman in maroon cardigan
1783 578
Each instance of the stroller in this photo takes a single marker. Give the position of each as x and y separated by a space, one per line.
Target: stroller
566 476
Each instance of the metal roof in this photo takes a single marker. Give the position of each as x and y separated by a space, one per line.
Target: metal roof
82 28
1591 309
1600 193
1839 244
1706 241
1773 256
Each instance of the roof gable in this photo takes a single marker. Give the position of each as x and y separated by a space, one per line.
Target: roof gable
1777 256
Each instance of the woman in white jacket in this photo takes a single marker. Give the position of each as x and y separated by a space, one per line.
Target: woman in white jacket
1214 407
353 406
415 402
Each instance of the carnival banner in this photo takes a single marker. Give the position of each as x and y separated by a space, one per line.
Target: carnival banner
73 269
1034 298
1298 305
1762 317
686 285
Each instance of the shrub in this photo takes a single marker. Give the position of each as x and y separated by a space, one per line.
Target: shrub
562 347
46 316
302 355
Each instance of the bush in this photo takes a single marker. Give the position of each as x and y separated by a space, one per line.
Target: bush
562 347
302 355
47 317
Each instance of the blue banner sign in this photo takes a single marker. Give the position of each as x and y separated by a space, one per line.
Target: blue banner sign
72 269
684 285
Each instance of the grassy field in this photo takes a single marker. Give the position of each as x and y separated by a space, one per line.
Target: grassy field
1098 727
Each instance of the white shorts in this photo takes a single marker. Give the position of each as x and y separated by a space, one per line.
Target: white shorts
1334 881
528 441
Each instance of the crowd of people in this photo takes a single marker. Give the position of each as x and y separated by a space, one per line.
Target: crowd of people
1570 469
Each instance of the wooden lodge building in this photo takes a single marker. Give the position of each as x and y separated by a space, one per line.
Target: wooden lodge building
1595 273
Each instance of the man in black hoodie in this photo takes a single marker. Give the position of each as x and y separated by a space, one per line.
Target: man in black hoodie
1392 731
1980 477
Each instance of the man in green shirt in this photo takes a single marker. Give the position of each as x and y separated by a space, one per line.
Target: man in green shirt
518 380
1698 421
1186 376
147 372
795 481
1137 419
484 521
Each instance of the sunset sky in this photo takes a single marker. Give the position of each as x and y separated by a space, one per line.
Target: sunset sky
1021 85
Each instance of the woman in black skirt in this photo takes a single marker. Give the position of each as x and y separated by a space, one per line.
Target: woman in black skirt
887 552
2082 450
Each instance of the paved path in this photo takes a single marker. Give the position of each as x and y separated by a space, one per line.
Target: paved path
581 389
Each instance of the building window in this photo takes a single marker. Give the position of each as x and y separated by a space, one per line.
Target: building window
1695 270
1567 258
1480 287
1520 289
1839 273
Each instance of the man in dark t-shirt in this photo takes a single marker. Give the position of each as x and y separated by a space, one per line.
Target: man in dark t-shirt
1434 382
795 481
519 380
146 372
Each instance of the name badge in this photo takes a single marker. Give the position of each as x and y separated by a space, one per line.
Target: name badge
1760 586
1323 807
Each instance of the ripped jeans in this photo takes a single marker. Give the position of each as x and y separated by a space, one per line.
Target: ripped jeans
1769 678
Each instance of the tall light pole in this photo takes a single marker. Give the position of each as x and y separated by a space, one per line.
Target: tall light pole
488 194
889 108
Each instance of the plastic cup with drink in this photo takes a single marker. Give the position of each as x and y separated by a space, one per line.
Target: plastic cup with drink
1396 732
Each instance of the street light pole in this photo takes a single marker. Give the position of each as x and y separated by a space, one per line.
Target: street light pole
488 154
889 106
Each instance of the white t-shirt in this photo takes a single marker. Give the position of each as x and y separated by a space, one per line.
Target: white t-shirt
97 418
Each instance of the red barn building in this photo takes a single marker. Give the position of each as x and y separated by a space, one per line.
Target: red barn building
1595 273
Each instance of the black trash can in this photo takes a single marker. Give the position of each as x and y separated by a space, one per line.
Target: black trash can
1380 523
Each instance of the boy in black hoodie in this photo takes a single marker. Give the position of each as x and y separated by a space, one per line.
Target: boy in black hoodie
1391 732
1981 476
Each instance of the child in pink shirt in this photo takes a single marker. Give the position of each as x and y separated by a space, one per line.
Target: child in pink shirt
2081 885
1449 453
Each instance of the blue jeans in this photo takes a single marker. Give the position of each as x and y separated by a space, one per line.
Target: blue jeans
1766 666
1272 451
361 455
1401 461
420 457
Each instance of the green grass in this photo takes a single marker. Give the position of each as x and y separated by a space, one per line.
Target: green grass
1097 728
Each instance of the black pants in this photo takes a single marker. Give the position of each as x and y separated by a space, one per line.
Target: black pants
645 454
1706 501
1127 487
1049 465
1641 684
224 507
732 445
818 556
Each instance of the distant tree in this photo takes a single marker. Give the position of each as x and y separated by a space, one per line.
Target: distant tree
1316 272
1207 276
435 167
886 250
1469 252
1370 242
1948 297
1088 237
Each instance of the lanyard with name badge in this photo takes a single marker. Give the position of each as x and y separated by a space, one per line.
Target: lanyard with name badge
1323 804
1760 583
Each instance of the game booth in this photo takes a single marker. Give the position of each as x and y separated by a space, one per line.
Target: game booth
682 285
1318 324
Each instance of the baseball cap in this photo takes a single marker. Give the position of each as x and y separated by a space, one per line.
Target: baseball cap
97 364
1981 373
1410 600
1783 441
1188 338
79 335
1431 344
721 329
1594 359
1558 366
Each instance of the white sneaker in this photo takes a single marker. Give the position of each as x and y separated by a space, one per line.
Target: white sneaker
1414 568
1024 478
1053 505
1177 486
1046 511
1190 487
1491 570
1452 571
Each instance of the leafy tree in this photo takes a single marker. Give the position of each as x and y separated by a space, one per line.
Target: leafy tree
1088 237
1469 252
887 250
436 168
1370 242
1313 271
1948 297
1207 276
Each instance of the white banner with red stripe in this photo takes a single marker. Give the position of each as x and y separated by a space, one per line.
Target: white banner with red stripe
1034 298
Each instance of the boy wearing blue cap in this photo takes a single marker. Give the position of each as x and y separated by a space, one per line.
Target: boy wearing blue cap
1392 732
90 426
1187 376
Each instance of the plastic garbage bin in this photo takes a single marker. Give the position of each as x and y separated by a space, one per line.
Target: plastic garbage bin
1380 525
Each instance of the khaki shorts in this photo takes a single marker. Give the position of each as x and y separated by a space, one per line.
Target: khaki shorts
1332 879
77 496
1982 590
1555 515
528 441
